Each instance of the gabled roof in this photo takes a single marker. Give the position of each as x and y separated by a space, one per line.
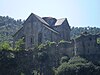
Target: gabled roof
36 16
60 21
44 23
41 20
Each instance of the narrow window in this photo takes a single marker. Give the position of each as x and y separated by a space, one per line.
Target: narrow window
39 38
32 40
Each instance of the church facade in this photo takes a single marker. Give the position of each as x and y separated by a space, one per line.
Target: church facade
37 30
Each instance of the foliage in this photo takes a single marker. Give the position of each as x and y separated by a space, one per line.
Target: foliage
50 43
98 40
41 46
19 45
5 46
64 59
46 45
8 26
62 41
22 73
77 59
7 63
76 31
77 66
11 55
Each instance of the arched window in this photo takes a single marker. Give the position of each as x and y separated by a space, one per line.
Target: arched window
39 38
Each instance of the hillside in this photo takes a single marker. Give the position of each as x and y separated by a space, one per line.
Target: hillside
76 31
8 26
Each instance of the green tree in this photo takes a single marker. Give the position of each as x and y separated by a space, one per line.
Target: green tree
77 66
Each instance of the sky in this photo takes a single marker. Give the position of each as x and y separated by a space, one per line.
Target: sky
80 13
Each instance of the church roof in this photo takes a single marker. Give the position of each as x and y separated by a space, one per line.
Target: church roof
45 23
50 20
59 21
41 20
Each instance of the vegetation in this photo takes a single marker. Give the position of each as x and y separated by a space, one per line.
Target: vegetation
98 40
19 45
76 31
77 66
8 26
64 59
46 45
5 46
21 62
63 42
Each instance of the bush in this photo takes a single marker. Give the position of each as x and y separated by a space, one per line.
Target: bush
41 47
98 40
77 66
19 45
77 59
5 46
46 45
64 59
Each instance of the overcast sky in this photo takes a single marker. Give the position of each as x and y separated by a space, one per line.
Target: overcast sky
80 13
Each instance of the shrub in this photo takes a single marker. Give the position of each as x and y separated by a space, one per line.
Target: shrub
77 66
77 59
64 59
41 47
98 40
5 46
46 45
19 45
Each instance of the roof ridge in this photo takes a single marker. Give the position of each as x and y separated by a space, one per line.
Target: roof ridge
39 18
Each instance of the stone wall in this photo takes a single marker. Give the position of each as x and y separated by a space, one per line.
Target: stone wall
87 45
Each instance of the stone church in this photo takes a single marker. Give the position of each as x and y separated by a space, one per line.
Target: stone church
37 30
